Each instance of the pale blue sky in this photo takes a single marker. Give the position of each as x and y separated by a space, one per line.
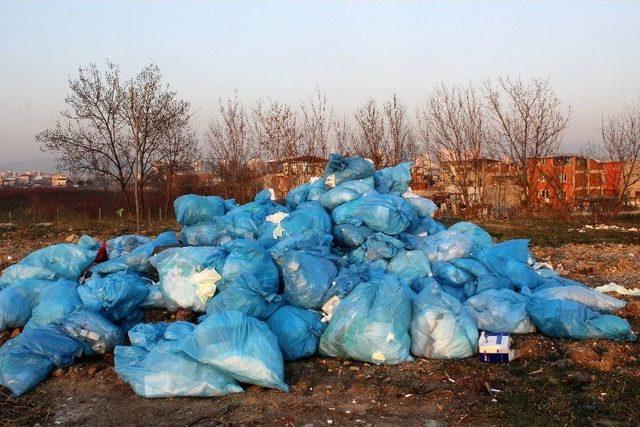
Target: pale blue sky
352 50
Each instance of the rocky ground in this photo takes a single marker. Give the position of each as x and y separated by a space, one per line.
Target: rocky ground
555 381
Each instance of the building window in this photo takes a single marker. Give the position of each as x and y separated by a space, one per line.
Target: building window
544 194
563 177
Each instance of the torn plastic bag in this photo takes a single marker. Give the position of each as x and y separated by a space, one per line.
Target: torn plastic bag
155 367
298 331
97 334
441 328
501 310
309 216
307 278
138 259
56 301
117 295
26 360
240 346
17 301
371 324
506 260
377 246
62 261
191 209
189 275
572 320
245 294
247 257
350 235
425 207
346 192
445 245
393 179
587 296
340 169
385 213
123 245
409 265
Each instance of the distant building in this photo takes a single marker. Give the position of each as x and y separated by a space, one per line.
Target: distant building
59 180
24 179
285 174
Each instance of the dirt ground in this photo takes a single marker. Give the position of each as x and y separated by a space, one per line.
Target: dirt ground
555 381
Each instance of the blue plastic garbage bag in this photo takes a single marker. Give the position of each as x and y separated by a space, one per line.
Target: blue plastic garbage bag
123 245
506 260
62 261
481 239
305 193
377 246
298 331
17 302
572 320
117 295
249 257
210 233
448 274
191 209
240 346
425 225
310 241
418 284
86 241
138 259
425 207
409 265
56 301
445 245
309 216
471 266
371 324
154 298
590 297
94 331
385 213
350 235
393 179
501 310
245 294
260 208
27 360
307 278
485 283
346 192
340 169
189 275
441 328
155 367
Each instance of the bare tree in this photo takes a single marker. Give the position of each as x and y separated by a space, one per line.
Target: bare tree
91 136
369 140
152 111
343 137
317 123
621 143
528 121
400 135
230 145
277 130
454 131
178 153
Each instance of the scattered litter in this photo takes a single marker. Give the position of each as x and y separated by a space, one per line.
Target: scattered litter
495 348
614 287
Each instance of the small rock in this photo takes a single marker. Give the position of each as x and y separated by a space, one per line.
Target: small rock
354 368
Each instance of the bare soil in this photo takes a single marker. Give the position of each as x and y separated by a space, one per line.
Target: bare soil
554 382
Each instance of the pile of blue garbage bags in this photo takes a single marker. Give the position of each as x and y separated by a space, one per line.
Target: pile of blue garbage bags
352 265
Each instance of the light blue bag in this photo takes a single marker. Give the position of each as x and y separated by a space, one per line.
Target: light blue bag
481 239
572 320
441 328
240 346
55 301
409 265
346 192
17 301
191 209
97 334
393 179
340 169
245 294
247 257
307 278
590 297
298 331
500 310
117 295
385 213
371 324
351 236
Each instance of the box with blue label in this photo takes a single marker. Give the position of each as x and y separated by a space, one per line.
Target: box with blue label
496 348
